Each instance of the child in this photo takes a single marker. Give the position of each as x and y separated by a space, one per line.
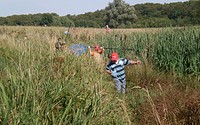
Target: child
108 29
116 68
97 53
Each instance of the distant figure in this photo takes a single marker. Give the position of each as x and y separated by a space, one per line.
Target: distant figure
66 32
116 68
108 29
97 53
59 45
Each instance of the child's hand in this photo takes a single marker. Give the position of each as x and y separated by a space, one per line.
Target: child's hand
102 48
139 62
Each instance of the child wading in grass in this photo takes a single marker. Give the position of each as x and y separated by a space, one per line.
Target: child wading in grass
97 54
116 69
108 29
59 45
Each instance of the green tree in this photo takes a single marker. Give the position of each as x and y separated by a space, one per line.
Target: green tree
120 13
85 23
36 19
65 21
47 19
3 21
90 19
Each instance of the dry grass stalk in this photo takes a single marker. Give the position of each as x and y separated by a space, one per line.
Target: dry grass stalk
165 103
122 104
155 112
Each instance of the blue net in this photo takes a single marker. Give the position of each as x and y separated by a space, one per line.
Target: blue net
78 49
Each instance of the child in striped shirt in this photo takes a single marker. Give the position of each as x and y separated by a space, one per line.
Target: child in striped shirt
116 69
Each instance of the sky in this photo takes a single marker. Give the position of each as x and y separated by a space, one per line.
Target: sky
62 7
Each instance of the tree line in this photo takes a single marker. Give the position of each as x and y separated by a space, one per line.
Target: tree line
117 14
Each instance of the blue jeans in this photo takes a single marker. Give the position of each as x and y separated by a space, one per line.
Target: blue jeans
120 85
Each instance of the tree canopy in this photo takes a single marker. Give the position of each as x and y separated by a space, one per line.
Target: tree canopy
120 14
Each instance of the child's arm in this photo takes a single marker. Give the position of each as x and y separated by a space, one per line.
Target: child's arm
135 62
108 71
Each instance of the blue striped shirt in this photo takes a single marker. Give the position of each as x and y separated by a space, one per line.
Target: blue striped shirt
117 69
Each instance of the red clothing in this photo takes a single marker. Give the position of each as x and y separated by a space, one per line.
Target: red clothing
108 29
97 55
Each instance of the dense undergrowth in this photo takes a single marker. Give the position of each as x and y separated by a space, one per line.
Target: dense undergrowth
40 86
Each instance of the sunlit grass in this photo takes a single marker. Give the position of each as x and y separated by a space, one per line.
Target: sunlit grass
40 86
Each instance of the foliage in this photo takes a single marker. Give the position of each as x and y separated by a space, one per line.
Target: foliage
180 53
86 23
90 19
179 13
39 85
119 13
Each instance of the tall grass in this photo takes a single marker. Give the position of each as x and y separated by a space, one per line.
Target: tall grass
40 86
170 50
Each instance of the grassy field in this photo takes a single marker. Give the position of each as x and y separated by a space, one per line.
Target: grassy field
41 86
